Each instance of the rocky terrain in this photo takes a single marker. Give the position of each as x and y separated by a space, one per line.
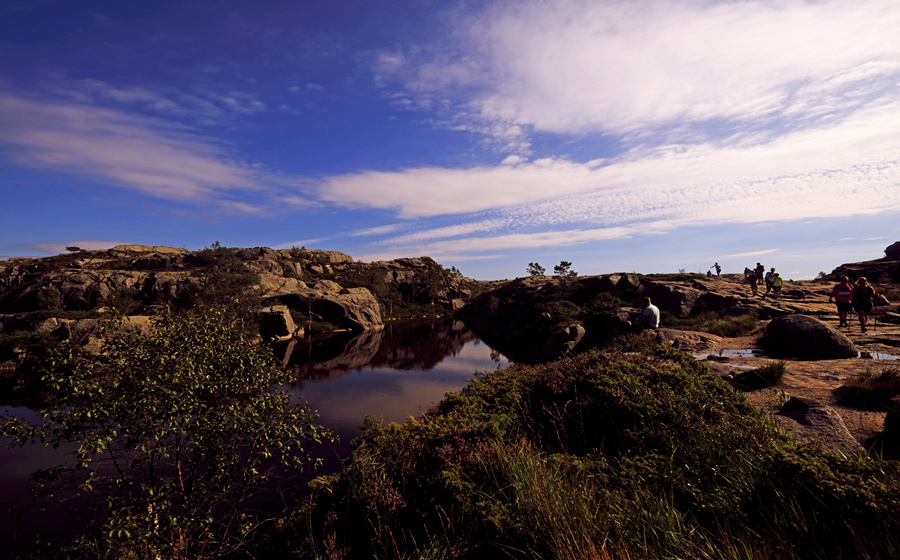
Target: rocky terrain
531 319
536 318
47 300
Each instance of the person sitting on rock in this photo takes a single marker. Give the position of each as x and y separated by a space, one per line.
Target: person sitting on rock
863 298
842 295
649 317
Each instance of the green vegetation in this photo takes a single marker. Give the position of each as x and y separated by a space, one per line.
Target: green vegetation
179 435
534 269
714 323
636 452
871 390
224 283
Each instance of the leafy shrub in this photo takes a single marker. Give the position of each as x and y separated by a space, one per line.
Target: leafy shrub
637 452
178 436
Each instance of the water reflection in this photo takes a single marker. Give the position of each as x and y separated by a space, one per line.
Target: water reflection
405 345
392 374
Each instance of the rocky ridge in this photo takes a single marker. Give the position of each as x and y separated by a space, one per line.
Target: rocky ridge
64 297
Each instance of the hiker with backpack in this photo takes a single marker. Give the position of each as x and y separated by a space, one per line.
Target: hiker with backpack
777 282
842 296
863 301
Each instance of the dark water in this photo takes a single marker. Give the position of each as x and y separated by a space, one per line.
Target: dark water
392 374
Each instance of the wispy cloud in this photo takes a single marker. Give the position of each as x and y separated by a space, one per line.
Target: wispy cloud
168 101
640 67
751 253
150 156
850 167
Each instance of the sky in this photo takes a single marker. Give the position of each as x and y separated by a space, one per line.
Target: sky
633 135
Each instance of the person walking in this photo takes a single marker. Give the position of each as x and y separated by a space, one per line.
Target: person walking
842 296
777 283
863 300
770 276
718 269
753 279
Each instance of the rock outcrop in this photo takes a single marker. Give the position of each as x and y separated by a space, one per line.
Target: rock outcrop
886 269
799 336
807 419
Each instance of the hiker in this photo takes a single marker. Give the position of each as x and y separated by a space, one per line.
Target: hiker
842 296
777 282
649 317
718 269
752 278
863 298
770 276
760 271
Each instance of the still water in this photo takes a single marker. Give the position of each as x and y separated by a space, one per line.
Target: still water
391 374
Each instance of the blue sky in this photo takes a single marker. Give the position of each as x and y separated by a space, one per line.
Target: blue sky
630 135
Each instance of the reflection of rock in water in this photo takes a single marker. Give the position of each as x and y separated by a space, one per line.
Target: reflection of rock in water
414 344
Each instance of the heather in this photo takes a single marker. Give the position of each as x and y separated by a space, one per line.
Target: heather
636 451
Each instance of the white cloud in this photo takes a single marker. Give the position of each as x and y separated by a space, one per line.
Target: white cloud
632 67
141 154
751 253
851 167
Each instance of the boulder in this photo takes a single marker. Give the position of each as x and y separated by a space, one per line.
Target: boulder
561 343
810 420
674 298
353 308
800 336
892 251
276 323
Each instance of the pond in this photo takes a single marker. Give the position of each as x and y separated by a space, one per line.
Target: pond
391 374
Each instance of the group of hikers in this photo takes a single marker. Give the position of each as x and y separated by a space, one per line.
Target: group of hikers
859 297
848 297
753 276
773 280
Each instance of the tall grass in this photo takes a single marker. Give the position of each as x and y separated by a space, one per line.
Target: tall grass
871 390
636 453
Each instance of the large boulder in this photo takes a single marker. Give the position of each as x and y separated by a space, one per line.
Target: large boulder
276 323
674 298
892 251
800 336
352 308
561 343
810 420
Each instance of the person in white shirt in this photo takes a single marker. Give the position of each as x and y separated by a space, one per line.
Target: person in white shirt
649 317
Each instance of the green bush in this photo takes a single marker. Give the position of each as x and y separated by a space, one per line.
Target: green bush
636 452
179 434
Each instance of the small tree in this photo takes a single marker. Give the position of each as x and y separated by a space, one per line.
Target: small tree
179 434
534 269
74 249
565 273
